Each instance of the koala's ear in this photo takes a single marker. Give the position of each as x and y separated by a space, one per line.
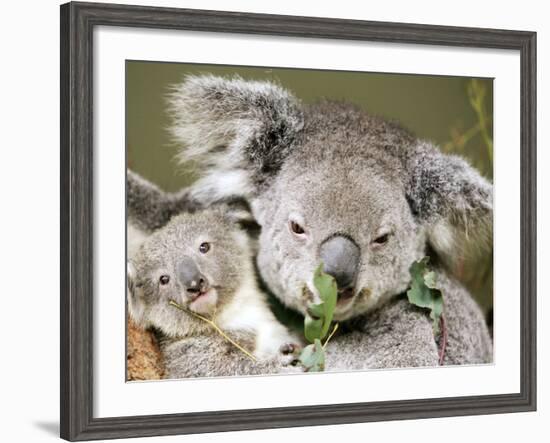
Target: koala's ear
239 132
450 197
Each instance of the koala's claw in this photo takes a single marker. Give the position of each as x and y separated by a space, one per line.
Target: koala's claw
289 354
288 348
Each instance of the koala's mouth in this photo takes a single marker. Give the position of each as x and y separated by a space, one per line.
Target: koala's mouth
344 296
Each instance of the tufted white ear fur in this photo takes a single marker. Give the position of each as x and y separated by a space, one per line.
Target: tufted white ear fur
242 130
451 198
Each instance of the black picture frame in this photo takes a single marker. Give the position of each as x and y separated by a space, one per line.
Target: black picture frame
77 24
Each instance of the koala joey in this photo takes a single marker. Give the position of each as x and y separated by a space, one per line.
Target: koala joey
202 261
331 183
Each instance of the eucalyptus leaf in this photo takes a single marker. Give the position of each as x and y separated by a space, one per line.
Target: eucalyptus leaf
423 291
313 357
326 286
316 310
312 328
317 321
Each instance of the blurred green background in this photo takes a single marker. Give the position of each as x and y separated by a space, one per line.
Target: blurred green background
454 112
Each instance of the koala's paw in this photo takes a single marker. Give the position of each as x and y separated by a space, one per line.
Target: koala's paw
289 353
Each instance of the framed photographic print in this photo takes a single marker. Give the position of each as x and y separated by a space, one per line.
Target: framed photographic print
273 221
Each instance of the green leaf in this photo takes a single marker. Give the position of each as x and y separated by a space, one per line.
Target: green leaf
313 357
312 328
326 285
429 279
424 293
316 311
317 321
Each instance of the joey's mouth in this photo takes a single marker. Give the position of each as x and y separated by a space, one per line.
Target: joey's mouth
197 295
203 302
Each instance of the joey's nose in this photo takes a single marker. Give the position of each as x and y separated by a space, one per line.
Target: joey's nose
340 256
190 276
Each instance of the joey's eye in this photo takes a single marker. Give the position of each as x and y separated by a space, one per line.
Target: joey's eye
204 247
164 279
381 240
296 228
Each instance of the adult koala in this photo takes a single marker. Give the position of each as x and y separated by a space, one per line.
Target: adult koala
330 183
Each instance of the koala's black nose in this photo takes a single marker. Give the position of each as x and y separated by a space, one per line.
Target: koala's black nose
340 256
190 276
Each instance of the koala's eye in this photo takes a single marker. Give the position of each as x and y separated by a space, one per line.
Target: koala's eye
381 240
164 279
296 228
204 247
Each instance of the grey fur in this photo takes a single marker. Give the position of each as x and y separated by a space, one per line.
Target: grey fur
340 171
400 335
209 355
190 346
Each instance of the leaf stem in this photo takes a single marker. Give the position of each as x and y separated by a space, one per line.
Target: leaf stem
330 335
216 327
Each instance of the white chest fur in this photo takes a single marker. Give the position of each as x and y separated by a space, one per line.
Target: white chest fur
248 311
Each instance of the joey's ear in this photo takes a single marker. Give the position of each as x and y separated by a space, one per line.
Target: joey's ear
450 197
239 212
239 132
136 307
130 276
